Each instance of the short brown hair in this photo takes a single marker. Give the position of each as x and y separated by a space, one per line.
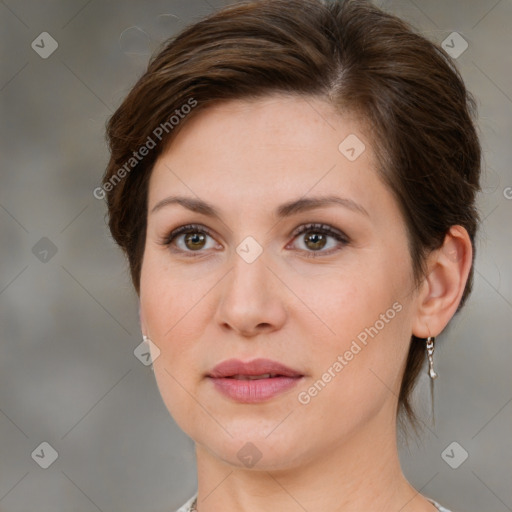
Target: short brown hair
350 53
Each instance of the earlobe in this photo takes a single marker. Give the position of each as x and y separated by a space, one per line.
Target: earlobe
442 288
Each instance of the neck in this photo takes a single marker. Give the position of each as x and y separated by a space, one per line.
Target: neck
360 473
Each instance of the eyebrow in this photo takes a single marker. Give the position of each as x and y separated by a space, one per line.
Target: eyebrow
285 210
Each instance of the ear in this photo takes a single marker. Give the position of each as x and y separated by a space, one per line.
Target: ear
442 289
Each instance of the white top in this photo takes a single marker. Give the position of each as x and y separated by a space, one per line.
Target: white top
190 504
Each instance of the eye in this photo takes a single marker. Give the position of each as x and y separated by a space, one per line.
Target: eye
191 239
317 238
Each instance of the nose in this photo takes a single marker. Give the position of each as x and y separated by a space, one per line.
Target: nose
252 299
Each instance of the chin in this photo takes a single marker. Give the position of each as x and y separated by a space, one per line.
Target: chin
251 449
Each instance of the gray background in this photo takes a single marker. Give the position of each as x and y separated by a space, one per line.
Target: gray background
69 320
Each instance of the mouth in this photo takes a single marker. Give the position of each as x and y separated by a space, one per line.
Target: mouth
255 369
256 381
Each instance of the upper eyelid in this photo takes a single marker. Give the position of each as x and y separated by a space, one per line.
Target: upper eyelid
321 226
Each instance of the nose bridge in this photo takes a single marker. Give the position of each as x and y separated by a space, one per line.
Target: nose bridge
250 275
250 298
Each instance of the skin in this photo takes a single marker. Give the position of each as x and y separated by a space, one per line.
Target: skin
337 452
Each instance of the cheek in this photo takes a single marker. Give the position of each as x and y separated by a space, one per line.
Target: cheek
346 302
172 304
364 320
164 296
160 308
164 303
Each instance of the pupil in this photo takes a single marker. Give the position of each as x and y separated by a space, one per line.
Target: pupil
318 241
197 240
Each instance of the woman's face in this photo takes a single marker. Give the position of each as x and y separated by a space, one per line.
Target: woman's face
244 285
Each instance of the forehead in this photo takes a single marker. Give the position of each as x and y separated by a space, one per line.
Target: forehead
278 122
250 152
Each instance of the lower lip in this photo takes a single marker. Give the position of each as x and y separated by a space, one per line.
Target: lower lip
254 391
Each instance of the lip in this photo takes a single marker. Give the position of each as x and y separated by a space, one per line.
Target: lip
253 391
231 367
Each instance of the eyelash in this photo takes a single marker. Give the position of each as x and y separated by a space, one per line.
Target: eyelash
323 229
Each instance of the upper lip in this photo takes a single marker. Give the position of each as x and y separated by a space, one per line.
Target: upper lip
231 367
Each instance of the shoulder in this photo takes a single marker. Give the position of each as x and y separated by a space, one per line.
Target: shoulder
187 507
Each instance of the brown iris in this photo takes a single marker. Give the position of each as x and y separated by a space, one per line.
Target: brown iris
317 240
196 239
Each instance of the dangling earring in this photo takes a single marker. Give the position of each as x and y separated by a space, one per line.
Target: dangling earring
430 355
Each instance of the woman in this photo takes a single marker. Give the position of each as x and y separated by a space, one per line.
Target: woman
294 186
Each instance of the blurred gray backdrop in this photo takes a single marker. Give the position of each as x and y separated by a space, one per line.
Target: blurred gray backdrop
82 425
